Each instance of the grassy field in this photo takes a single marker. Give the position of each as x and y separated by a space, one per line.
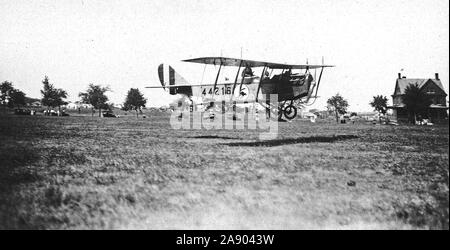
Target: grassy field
134 173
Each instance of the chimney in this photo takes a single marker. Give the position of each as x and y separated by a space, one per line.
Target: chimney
399 75
436 75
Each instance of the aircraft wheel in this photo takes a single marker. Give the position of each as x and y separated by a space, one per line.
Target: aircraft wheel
290 112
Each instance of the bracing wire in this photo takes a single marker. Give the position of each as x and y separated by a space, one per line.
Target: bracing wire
203 75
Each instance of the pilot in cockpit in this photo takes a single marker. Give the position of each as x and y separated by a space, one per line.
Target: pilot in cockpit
247 72
286 74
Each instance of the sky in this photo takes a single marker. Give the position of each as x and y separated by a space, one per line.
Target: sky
121 43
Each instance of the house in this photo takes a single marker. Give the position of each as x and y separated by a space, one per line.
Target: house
71 105
77 105
33 102
36 104
437 112
118 106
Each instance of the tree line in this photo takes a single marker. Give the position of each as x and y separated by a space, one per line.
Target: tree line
416 102
53 97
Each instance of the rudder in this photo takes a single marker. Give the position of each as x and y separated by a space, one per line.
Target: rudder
168 76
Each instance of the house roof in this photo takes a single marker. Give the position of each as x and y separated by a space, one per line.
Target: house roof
402 83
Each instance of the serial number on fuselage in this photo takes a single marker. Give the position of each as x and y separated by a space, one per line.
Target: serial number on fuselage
225 90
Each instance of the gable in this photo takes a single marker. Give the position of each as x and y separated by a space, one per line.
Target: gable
432 88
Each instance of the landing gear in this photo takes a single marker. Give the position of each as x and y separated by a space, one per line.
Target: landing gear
280 113
290 112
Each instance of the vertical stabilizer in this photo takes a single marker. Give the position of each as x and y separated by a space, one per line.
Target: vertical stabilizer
168 76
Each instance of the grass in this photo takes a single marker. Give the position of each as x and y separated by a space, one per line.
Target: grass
135 173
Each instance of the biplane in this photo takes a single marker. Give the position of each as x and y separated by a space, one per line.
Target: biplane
294 84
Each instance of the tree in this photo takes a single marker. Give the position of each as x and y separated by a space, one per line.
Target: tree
17 98
337 105
379 103
416 102
95 95
134 100
5 90
10 96
51 96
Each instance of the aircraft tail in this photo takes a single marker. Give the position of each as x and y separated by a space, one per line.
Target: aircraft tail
168 76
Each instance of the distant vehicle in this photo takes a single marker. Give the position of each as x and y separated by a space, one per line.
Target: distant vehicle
22 112
392 123
50 112
344 118
424 122
353 117
108 114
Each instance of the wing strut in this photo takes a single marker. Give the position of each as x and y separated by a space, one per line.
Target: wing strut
318 81
235 81
317 90
260 81
215 84
203 75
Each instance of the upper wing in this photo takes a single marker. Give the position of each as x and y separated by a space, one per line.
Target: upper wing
226 61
